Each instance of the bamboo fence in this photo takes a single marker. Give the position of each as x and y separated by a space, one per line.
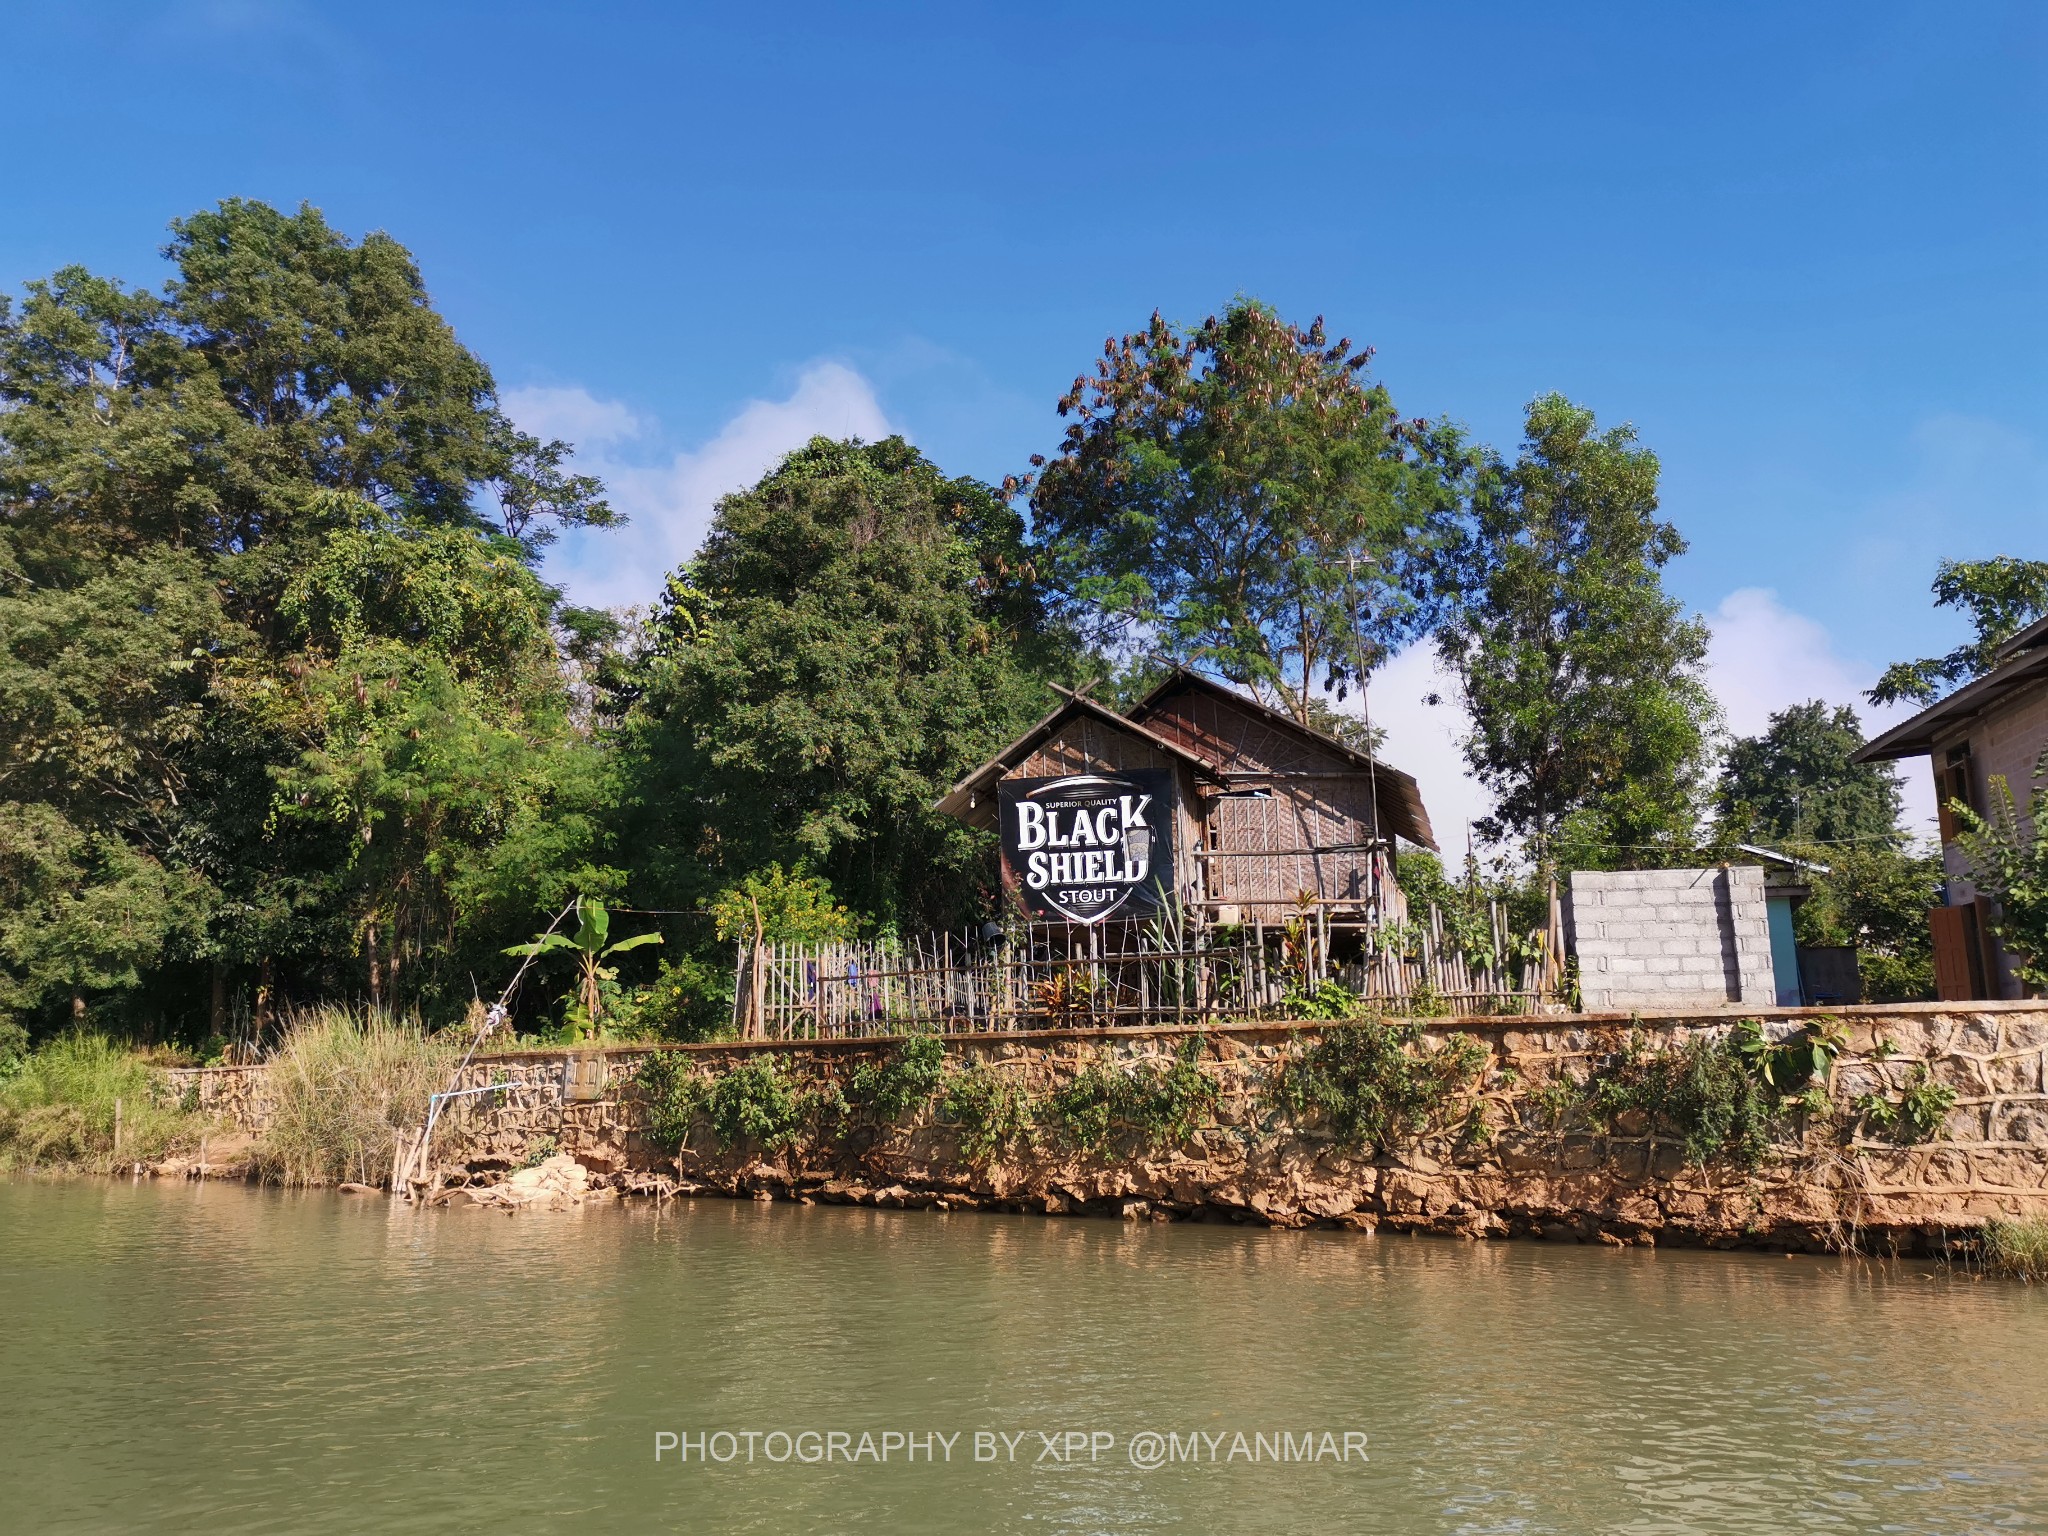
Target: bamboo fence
1063 975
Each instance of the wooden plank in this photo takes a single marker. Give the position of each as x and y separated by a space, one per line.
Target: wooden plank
1955 980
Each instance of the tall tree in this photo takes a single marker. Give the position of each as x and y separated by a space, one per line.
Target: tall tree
277 677
1796 784
2001 595
858 631
1241 497
1583 676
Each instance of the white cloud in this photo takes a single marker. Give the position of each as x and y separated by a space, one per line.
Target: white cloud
572 413
1423 740
1764 657
669 505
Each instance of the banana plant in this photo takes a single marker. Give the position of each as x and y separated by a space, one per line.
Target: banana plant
593 929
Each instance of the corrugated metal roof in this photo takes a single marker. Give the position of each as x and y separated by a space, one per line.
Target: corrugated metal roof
1399 796
972 799
1915 737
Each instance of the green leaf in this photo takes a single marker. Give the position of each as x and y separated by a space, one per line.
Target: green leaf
595 923
545 944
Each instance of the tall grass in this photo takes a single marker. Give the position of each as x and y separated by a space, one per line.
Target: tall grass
341 1087
58 1108
2017 1250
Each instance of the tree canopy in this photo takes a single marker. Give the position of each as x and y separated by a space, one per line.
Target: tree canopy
1590 715
1239 496
1796 784
277 673
2001 596
289 712
858 631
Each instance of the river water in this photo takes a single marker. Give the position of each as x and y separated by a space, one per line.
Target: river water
222 1360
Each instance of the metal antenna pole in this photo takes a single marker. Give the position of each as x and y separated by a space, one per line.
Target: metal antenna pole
1372 756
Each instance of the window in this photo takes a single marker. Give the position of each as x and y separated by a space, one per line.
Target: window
1953 781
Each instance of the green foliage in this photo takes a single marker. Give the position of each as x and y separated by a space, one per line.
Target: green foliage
1786 1066
1085 1108
1875 896
2008 857
991 1113
2015 1250
874 632
1465 904
1795 784
1706 1092
342 1086
281 700
1375 1084
13 1048
790 908
60 1105
1591 718
1723 1096
1919 1113
1329 999
1239 494
590 946
689 999
1158 1104
543 1148
673 1091
906 1080
2001 595
755 1101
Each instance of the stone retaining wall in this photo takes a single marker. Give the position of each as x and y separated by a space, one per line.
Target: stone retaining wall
1820 1188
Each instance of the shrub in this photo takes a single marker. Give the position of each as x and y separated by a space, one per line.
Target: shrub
1083 1109
991 1113
1328 999
1374 1083
1161 1104
57 1108
755 1101
674 1093
13 1048
1920 1112
690 999
888 1090
1706 1092
342 1087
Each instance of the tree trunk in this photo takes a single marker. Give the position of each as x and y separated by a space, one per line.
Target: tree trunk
263 1000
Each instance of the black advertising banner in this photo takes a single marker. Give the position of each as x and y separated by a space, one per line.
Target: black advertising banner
1091 844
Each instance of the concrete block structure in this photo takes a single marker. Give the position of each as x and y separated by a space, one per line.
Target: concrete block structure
1671 938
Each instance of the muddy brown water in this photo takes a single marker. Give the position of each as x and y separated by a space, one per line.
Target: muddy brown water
220 1359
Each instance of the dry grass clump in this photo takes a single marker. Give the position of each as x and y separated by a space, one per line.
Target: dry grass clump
341 1086
2017 1250
60 1107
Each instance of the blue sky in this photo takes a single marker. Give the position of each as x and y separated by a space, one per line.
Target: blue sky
1800 247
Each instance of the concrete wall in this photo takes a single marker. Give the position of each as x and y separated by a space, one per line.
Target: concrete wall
1671 938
